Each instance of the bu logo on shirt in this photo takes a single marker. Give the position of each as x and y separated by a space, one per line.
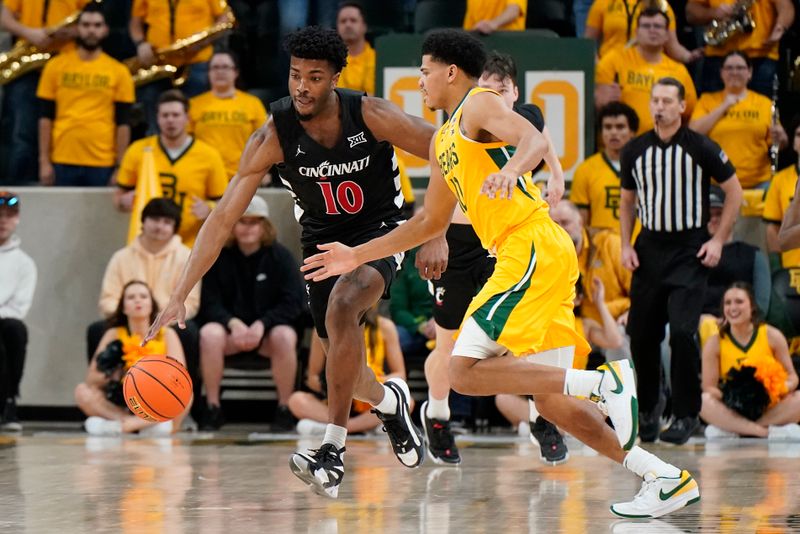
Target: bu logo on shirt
357 139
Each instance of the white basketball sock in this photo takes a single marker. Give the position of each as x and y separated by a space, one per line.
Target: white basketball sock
580 383
335 435
642 462
389 403
437 408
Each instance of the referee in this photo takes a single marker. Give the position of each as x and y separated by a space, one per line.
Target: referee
667 172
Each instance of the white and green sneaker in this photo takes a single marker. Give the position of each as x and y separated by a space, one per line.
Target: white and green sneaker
617 394
660 496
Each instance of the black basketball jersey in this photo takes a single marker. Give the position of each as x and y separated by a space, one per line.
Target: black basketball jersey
344 193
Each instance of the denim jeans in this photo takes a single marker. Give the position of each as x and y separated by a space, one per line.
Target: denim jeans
20 129
580 10
82 176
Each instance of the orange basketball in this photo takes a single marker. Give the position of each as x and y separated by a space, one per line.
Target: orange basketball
157 388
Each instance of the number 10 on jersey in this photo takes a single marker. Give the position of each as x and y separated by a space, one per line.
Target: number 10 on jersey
348 197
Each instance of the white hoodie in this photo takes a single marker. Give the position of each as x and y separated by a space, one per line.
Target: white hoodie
17 280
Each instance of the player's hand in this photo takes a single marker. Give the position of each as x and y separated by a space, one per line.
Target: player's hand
630 260
200 208
172 312
499 185
335 259
555 189
431 260
710 253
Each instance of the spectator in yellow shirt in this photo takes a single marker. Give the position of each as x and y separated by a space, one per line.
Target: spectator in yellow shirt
488 16
359 74
28 20
776 206
740 121
771 20
628 74
192 172
224 117
85 99
595 186
156 24
613 24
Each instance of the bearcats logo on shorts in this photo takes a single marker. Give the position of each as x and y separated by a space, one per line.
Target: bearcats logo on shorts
439 296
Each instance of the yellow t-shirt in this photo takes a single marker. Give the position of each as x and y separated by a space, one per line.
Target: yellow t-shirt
226 123
604 261
31 13
190 17
595 186
478 10
743 133
617 21
780 193
465 164
84 92
753 44
359 74
198 172
636 77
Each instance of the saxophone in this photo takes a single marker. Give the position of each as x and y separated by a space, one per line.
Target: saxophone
172 61
740 21
25 57
774 148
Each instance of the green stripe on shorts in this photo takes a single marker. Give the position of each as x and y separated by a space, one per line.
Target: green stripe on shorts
493 315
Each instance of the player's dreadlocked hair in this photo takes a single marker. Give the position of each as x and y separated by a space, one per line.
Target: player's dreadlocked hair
456 47
314 42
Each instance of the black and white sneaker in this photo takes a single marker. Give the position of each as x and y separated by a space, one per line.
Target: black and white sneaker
406 438
322 469
439 441
552 449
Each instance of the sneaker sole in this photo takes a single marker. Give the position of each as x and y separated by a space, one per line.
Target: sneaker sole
311 481
427 441
690 498
402 404
554 462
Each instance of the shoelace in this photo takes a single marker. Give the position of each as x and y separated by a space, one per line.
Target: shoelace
325 456
392 425
645 488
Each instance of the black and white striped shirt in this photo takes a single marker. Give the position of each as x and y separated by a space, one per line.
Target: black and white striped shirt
671 179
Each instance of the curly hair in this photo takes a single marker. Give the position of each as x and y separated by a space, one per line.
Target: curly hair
314 42
456 47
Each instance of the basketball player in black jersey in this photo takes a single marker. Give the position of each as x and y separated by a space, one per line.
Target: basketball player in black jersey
333 150
468 268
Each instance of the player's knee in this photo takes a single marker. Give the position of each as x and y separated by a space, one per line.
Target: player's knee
462 377
83 394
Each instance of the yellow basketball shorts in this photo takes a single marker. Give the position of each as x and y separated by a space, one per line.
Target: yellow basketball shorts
526 305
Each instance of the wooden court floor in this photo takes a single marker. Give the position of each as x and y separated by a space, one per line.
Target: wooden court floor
235 482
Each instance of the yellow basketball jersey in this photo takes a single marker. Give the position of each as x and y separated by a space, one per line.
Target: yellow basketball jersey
732 354
465 165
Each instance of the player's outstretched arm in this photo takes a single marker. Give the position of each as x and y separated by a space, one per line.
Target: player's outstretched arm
387 122
431 221
486 118
262 151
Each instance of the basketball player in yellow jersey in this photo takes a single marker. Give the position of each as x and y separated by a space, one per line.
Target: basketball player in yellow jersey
524 312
